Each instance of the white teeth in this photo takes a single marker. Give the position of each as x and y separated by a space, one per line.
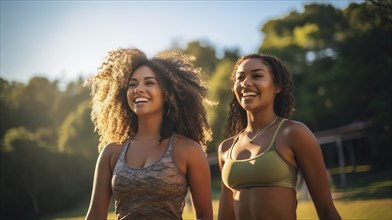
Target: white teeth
249 94
141 99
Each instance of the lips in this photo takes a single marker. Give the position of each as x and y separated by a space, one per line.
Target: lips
139 100
248 93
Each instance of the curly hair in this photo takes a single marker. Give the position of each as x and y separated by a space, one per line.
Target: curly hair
284 101
183 86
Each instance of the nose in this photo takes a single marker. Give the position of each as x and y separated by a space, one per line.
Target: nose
246 82
139 88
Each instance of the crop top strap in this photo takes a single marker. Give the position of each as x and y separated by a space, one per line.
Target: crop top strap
235 139
276 132
125 149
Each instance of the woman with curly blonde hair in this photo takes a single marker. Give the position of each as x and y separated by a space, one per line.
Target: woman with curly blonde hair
150 116
265 150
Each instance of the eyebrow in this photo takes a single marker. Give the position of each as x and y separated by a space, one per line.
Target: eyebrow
252 71
145 78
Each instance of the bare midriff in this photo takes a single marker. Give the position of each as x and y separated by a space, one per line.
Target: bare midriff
265 203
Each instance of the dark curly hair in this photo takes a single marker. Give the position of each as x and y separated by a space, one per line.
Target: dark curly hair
284 101
182 84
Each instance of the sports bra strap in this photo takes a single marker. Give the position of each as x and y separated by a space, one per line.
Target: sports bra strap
269 146
276 131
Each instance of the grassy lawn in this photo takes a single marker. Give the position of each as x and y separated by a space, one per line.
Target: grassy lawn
361 209
366 197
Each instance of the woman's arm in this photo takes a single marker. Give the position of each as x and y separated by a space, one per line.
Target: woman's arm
101 193
199 179
226 208
310 160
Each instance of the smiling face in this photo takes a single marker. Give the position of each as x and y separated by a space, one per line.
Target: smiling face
254 85
144 94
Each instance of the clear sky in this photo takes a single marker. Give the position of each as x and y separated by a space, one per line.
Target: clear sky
66 39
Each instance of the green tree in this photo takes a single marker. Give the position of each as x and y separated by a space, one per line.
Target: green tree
24 164
69 99
332 69
365 85
35 103
76 134
36 181
204 54
8 105
35 178
39 106
220 91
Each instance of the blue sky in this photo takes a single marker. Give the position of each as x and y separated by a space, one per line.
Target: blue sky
65 39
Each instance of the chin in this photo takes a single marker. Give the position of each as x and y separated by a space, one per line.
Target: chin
247 107
250 108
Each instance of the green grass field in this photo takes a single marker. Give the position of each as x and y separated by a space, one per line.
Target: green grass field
366 197
378 209
363 209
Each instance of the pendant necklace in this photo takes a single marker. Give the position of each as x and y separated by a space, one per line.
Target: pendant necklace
250 140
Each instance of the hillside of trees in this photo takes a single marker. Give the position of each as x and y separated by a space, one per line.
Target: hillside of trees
341 62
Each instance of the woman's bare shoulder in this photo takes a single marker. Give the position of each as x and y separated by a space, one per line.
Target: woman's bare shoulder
298 135
111 148
111 152
294 129
186 144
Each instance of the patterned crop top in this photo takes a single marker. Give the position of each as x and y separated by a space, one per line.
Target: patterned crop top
154 192
266 169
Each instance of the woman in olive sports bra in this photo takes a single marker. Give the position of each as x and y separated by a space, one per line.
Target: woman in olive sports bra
153 129
261 159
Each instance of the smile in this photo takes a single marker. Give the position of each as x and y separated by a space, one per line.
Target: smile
245 94
141 100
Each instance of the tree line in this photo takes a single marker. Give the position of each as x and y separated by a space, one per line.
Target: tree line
340 60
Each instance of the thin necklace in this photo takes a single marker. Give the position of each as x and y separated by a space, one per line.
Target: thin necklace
250 140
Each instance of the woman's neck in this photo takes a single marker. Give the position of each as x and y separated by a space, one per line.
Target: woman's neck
149 127
259 120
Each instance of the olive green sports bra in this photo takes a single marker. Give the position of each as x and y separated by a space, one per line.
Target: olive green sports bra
266 169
